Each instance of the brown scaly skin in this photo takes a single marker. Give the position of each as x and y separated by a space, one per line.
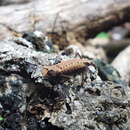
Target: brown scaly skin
67 67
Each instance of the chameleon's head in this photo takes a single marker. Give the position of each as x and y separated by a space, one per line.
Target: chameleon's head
45 71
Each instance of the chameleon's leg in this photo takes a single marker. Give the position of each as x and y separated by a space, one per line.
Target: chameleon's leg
82 78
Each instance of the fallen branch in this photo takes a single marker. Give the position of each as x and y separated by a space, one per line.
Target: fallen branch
83 17
111 47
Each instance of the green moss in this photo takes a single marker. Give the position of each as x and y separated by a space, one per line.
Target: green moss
102 35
